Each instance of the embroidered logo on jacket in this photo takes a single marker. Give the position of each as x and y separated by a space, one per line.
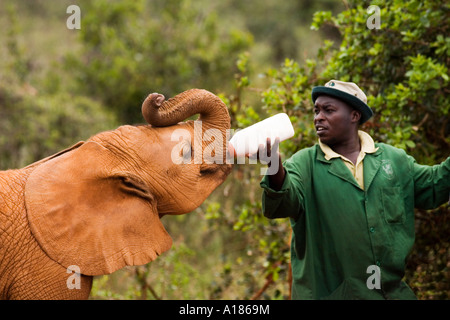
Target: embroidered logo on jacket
387 169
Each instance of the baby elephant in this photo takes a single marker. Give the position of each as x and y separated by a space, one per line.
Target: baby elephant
95 207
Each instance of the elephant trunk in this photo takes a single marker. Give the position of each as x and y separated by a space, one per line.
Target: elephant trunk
213 111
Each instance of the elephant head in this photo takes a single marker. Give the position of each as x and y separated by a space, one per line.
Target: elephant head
98 204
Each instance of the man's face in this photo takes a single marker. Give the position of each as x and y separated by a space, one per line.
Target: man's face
334 120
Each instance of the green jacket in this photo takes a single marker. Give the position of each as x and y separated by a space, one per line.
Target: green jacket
341 232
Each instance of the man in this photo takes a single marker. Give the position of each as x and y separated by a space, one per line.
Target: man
351 203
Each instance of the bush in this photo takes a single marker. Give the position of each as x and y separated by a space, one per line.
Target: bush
131 49
33 126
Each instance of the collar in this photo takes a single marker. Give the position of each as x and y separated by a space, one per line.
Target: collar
367 146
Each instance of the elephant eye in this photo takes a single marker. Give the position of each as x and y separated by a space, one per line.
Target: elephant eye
186 153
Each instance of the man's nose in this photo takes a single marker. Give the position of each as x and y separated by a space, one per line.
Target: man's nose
318 116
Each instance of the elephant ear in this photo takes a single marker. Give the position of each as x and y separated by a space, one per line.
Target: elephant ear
84 213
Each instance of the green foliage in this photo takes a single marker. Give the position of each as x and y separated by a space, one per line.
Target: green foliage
265 247
20 64
34 125
290 93
164 278
280 28
35 122
131 49
403 68
428 269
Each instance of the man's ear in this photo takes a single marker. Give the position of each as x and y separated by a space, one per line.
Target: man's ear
355 116
84 212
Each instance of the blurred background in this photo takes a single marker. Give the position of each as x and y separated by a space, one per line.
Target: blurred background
59 86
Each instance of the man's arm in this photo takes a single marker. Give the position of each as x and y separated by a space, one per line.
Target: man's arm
276 170
431 184
281 196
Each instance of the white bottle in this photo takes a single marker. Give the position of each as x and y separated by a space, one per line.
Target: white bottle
247 141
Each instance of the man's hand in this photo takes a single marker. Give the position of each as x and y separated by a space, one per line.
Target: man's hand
271 156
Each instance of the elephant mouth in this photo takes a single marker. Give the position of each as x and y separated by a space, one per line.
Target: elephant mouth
212 169
208 169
